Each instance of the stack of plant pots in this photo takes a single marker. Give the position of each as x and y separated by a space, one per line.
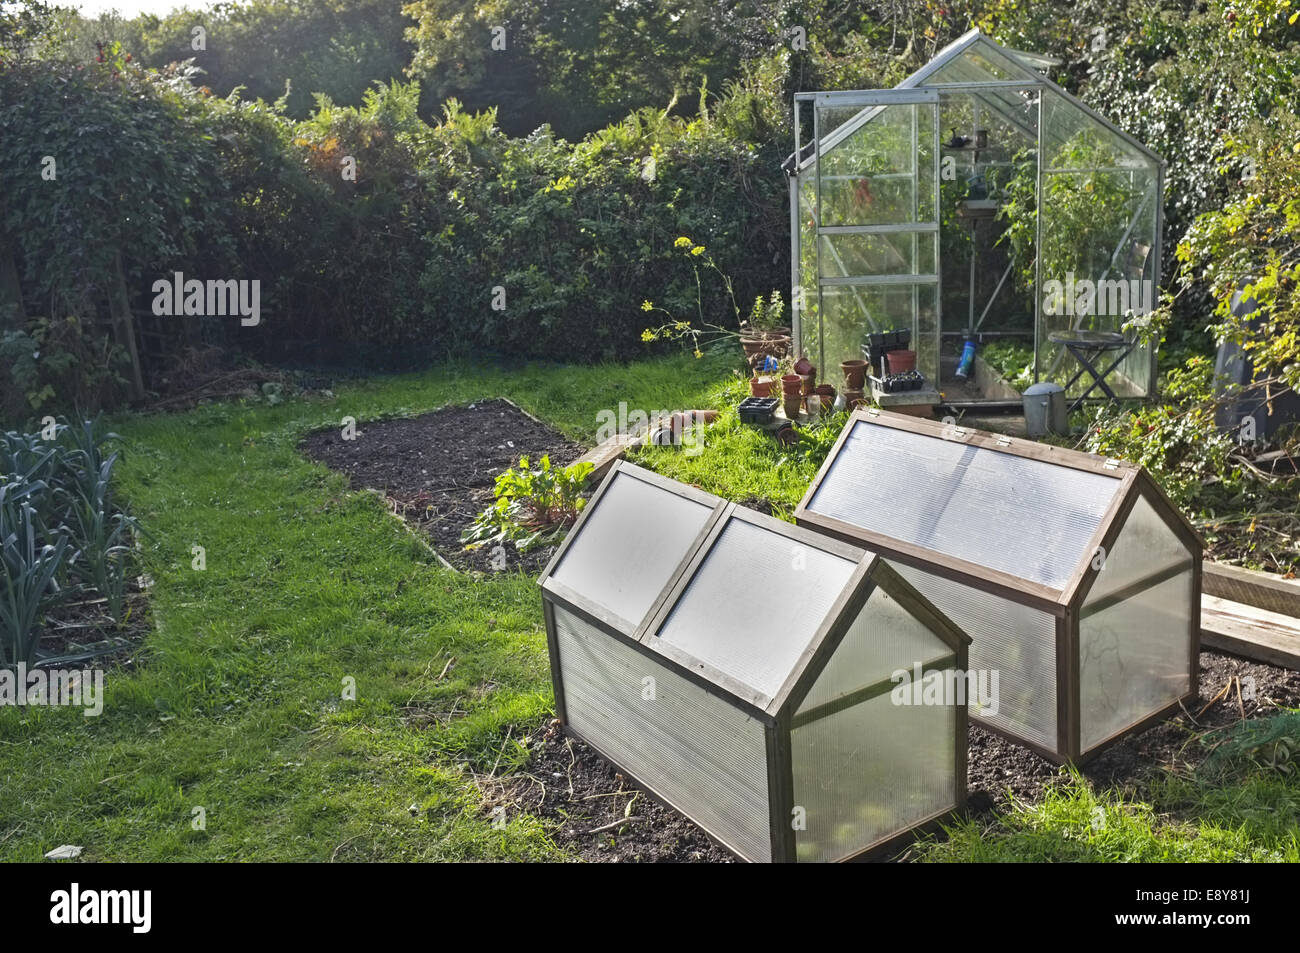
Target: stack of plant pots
855 376
792 394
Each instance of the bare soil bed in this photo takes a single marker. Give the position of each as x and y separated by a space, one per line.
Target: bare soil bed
437 470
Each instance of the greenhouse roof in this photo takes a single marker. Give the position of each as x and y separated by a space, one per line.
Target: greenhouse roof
1006 81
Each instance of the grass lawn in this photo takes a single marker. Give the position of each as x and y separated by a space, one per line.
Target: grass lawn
238 706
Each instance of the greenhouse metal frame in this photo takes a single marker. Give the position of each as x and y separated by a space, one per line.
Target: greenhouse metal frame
876 209
1016 542
736 747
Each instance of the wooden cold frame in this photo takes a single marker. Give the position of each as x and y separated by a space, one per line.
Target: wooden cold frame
1065 604
775 714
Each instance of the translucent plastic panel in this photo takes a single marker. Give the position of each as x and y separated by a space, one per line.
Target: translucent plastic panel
629 546
895 253
695 751
869 772
885 638
1135 658
755 604
1025 517
881 173
850 312
1014 641
1145 547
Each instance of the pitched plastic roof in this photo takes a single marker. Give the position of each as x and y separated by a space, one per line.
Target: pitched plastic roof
734 596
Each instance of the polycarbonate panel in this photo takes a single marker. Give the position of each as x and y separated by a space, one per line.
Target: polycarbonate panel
883 640
869 772
1145 547
1021 516
705 757
1135 658
1135 654
629 545
1015 642
755 603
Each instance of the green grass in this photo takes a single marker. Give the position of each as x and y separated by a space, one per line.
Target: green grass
1233 813
237 707
741 462
238 704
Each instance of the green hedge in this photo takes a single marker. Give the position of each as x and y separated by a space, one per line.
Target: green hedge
400 265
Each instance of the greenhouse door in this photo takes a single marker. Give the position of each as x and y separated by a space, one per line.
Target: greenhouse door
875 205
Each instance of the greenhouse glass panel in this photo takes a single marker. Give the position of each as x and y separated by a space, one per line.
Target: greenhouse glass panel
631 543
1097 270
884 172
851 311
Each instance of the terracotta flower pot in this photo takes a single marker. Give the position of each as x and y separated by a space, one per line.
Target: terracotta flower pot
855 373
900 362
854 398
809 383
791 384
791 406
803 367
827 393
760 386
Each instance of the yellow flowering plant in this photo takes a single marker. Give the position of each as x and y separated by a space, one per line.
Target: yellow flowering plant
707 333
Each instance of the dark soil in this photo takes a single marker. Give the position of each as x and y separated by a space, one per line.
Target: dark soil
1000 769
438 470
570 785
81 634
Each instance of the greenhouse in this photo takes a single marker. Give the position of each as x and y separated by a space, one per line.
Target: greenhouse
1078 581
976 202
760 678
